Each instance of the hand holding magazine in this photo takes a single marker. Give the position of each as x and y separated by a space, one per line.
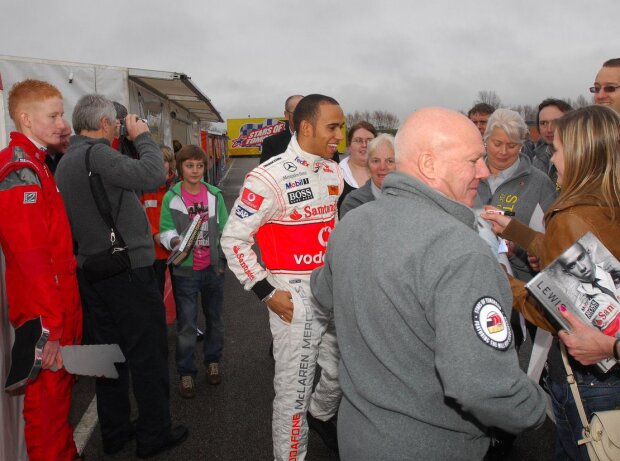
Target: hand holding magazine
188 240
585 279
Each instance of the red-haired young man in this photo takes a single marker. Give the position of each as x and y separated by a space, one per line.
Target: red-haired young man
40 267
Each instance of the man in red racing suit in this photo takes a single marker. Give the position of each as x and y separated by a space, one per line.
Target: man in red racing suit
289 203
40 267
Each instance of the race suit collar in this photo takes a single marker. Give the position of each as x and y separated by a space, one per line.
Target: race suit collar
21 140
311 161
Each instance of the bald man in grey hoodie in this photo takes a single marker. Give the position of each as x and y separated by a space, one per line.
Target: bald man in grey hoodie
428 362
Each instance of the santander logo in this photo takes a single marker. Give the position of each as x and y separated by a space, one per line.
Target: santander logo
295 215
240 257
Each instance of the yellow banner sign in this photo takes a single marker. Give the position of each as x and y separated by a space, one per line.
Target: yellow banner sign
246 135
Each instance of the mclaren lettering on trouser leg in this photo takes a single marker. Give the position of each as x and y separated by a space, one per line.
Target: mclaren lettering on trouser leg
304 381
305 375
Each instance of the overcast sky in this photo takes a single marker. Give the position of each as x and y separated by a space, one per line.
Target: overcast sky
395 55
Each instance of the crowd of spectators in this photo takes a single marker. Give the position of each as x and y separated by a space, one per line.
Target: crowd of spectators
375 264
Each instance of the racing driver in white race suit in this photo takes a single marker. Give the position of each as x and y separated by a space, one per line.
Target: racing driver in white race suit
289 203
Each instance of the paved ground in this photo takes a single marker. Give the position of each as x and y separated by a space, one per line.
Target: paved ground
233 421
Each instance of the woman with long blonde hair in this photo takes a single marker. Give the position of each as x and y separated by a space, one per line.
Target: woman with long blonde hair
587 157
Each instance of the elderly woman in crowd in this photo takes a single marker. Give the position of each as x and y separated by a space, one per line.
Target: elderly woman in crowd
514 184
354 167
587 157
380 162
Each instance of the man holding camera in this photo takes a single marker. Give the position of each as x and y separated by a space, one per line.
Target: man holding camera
125 308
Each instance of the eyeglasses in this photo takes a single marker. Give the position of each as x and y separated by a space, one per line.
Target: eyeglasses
605 88
361 140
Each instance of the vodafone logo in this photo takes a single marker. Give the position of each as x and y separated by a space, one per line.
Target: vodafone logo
309 259
251 199
324 235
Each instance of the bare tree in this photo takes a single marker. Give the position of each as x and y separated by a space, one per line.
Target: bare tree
527 111
489 97
581 101
358 116
381 119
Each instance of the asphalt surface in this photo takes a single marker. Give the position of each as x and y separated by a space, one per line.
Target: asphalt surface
232 421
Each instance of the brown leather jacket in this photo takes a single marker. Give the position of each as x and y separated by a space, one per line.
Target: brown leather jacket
565 224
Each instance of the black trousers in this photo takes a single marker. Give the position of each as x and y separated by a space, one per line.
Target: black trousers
128 310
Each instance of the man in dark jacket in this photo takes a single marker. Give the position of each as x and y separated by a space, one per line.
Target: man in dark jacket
276 144
125 308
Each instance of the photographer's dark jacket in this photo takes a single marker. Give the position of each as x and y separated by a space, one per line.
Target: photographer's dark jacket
120 175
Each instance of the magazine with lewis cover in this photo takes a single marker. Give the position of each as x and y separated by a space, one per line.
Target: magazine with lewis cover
189 237
586 280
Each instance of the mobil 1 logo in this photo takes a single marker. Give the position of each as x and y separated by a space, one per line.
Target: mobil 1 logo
300 195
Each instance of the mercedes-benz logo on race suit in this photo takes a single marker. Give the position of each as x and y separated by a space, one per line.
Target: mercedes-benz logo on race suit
324 235
290 166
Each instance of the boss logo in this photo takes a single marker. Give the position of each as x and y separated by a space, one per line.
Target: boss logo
300 195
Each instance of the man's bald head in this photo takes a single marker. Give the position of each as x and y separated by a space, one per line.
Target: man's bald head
444 150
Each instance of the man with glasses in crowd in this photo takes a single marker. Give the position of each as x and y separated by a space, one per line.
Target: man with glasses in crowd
606 87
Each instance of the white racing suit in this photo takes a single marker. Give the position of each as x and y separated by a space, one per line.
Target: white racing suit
289 203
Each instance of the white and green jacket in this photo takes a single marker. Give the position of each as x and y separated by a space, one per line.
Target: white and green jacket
175 218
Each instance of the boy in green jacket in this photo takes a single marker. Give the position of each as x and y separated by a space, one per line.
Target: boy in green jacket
202 272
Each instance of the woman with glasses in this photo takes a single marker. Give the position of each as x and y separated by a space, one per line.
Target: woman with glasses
587 157
380 162
354 168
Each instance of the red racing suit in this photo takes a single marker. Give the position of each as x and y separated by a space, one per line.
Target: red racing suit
289 203
40 281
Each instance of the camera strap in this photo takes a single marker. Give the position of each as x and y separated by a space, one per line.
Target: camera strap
103 203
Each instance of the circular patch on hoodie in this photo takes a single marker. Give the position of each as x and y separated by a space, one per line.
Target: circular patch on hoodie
491 324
